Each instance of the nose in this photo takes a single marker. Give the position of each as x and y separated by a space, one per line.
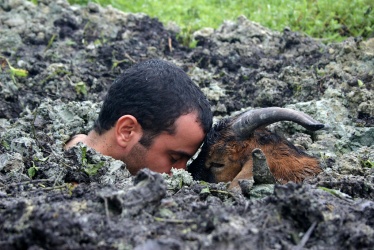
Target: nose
180 164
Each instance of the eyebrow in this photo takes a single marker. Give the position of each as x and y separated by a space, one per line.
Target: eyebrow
183 153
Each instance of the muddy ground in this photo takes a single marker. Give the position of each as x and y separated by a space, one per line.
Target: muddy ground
51 199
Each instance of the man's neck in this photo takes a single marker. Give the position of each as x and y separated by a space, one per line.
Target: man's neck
101 143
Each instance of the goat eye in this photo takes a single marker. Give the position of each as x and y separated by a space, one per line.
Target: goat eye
216 165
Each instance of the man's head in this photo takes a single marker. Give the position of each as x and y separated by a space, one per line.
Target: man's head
163 109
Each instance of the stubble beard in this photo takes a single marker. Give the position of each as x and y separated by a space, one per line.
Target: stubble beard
135 160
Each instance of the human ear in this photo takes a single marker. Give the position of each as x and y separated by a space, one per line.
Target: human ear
127 131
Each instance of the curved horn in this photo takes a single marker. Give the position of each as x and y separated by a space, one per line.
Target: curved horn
247 122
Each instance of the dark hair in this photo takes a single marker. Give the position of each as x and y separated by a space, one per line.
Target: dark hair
157 93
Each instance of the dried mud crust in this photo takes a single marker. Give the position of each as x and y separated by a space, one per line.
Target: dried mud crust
146 216
79 199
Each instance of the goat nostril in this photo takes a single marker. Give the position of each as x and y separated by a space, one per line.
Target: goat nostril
216 165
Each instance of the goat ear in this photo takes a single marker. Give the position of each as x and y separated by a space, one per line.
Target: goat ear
236 151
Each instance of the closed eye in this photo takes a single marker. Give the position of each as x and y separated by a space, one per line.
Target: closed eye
175 158
216 165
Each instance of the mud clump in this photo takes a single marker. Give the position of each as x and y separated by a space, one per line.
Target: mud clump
79 199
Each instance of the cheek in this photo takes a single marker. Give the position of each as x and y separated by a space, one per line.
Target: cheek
158 164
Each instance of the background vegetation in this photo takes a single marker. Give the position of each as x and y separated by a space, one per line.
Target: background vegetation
331 20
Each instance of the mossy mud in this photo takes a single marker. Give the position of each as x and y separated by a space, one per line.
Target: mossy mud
51 199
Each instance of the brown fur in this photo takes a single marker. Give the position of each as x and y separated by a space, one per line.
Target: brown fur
231 160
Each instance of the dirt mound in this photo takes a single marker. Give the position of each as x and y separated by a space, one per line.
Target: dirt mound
82 200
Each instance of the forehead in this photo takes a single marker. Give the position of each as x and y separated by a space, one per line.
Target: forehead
187 137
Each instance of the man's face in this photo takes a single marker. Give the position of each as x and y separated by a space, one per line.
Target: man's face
168 151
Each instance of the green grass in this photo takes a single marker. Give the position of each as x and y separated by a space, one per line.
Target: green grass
331 20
